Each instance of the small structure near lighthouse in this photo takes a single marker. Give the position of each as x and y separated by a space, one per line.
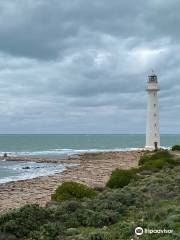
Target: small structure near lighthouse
152 128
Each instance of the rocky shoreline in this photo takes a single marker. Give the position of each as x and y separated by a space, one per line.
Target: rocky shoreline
93 169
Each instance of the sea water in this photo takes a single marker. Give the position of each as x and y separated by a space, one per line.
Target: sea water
16 170
66 144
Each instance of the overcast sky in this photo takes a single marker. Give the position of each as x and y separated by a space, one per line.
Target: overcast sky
81 66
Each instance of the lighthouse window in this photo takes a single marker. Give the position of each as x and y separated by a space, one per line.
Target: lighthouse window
155 125
155 135
154 94
155 114
154 105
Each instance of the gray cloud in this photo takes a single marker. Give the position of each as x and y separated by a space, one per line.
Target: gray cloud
81 66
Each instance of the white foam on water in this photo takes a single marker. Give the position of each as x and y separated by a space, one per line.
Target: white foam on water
29 170
61 152
69 152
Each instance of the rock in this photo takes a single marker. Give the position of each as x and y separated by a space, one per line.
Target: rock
26 168
5 155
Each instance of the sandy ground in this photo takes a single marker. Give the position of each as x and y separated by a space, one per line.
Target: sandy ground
93 169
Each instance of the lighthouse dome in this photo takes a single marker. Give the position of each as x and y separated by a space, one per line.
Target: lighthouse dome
152 77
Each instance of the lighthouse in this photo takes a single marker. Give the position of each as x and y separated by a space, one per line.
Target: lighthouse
152 128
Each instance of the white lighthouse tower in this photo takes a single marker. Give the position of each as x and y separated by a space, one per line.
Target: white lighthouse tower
152 128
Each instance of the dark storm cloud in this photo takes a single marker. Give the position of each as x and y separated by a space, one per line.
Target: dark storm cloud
78 66
44 29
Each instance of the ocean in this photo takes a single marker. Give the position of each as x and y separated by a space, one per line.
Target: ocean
62 145
66 144
14 170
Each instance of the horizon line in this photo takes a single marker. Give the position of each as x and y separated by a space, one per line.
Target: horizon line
84 134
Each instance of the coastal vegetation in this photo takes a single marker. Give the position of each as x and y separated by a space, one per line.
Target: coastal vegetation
73 191
176 148
120 178
148 196
157 161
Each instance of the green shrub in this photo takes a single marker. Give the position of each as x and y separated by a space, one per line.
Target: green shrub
47 232
99 235
22 221
100 219
145 158
120 178
154 164
157 160
73 191
176 148
162 154
7 236
71 206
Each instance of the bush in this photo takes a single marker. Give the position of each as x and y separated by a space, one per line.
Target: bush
47 232
92 218
143 159
176 148
99 236
162 154
7 236
22 221
73 191
154 164
71 206
157 160
120 178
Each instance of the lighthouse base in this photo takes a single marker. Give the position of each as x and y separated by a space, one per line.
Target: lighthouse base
149 148
152 148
